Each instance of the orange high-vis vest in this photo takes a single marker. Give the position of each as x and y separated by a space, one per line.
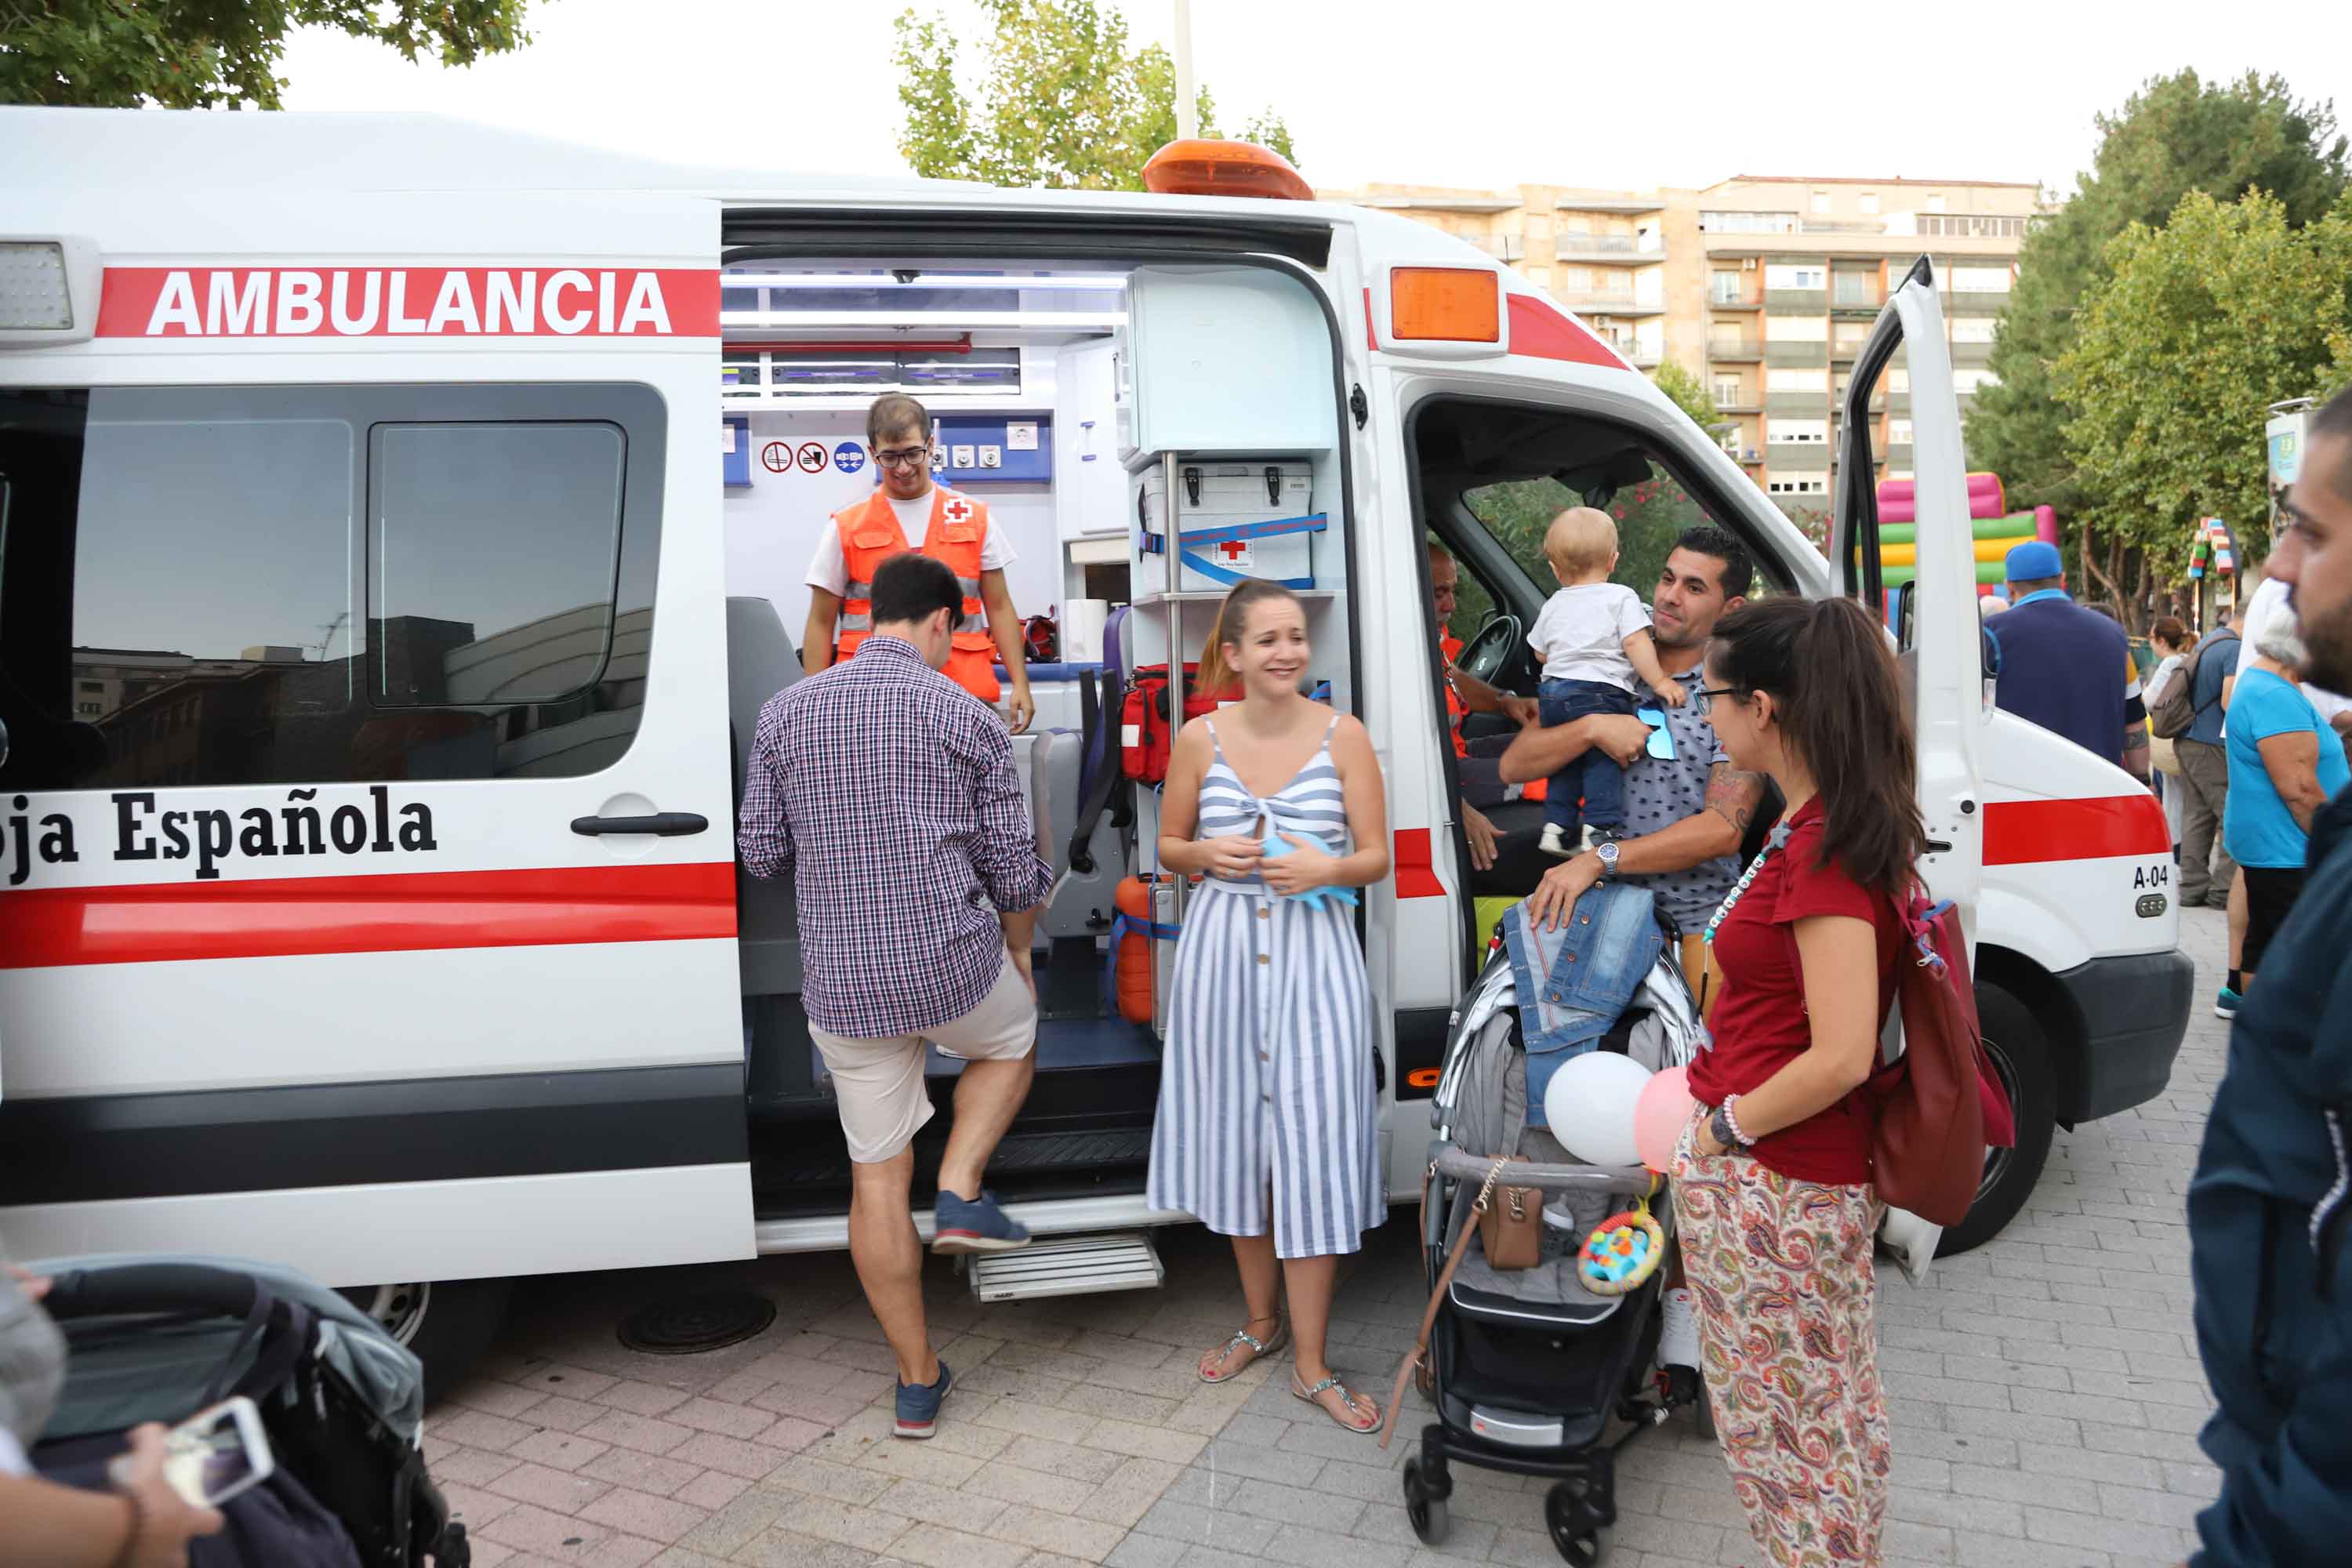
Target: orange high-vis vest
1458 711
870 535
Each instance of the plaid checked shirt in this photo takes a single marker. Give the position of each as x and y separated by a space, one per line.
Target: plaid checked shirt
888 792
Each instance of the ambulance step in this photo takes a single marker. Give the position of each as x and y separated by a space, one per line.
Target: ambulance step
1068 1266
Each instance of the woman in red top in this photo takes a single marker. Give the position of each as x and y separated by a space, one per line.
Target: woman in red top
1772 1192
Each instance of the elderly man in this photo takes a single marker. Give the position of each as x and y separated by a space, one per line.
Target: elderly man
1686 806
2065 667
2271 1199
1467 694
893 797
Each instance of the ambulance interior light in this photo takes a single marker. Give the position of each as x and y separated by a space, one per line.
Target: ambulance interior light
1206 167
48 290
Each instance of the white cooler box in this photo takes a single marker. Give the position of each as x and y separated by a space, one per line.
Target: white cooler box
1234 518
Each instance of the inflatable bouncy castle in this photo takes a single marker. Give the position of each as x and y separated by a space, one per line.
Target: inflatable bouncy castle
1996 530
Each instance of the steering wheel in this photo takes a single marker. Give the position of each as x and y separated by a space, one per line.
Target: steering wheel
1499 655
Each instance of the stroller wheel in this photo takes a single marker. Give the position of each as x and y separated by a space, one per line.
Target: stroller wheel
1568 1519
1426 1512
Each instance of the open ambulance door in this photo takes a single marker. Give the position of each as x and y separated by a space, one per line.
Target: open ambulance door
1934 622
1937 628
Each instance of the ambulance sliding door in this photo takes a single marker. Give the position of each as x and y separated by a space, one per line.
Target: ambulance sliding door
376 911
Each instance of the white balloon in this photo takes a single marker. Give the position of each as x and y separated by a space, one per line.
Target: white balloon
1590 1104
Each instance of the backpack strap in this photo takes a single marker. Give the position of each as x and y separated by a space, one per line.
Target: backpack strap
1436 1298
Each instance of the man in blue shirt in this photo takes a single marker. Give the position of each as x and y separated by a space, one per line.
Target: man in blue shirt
2065 667
2271 1205
2206 869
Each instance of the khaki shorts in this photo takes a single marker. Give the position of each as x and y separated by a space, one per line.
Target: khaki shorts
880 1083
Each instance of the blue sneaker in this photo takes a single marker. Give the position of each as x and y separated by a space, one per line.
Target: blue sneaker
2225 1005
919 1405
975 1225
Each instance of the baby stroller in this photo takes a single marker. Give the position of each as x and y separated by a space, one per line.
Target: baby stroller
1527 1366
159 1338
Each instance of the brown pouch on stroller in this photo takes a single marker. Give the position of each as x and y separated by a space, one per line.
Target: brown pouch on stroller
1511 1231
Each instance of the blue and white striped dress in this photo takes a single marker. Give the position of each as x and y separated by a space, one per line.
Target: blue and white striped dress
1267 1081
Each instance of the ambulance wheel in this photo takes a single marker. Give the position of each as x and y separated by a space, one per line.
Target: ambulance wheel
1426 1512
447 1324
2020 1057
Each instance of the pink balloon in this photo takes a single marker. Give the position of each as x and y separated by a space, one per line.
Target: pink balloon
1658 1116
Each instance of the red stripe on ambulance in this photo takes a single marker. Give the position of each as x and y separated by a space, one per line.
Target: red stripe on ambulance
155 922
408 302
1543 333
2027 832
1416 865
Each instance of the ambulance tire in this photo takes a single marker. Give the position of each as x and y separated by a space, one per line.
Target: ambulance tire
445 1324
2021 1054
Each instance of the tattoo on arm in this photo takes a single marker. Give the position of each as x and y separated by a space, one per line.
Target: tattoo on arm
1733 795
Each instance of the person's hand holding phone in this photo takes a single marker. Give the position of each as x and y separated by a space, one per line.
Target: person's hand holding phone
163 1521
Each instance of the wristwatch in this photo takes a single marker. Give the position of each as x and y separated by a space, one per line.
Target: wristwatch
1606 853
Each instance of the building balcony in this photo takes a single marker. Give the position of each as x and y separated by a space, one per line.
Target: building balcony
1617 247
1751 300
1868 301
1803 301
1840 226
1646 356
1843 352
1745 402
1591 303
1796 353
1735 351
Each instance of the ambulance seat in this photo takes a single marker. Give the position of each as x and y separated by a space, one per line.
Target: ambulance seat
761 662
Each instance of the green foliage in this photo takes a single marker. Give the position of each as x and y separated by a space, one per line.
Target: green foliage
2177 134
1061 101
2197 328
1649 516
207 54
1689 394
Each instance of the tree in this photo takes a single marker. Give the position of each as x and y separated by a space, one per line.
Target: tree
208 54
2177 134
1062 101
2176 353
1689 394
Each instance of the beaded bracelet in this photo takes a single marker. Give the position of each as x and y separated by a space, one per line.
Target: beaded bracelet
1731 1120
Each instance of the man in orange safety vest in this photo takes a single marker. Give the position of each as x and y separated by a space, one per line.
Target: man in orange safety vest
954 529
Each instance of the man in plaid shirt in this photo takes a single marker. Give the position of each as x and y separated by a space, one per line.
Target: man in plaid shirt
889 793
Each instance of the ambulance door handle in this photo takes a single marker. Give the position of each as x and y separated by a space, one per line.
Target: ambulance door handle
661 824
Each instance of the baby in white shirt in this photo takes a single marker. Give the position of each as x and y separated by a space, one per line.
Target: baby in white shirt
1594 637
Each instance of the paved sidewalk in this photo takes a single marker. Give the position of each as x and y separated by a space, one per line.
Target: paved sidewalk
2044 1393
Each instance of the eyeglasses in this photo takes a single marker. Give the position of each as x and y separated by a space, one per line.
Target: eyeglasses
904 457
1662 739
1703 699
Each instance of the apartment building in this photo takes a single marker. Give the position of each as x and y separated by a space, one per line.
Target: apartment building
1763 287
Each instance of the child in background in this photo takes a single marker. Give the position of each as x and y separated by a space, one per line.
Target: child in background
1594 637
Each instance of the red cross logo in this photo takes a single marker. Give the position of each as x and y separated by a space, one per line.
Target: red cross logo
1232 548
957 510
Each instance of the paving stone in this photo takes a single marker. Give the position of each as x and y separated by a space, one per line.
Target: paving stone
558 1450
1087 1464
823 1478
641 1472
1088 1541
785 1549
1035 1488
555 1489
642 1513
869 1529
646 1434
933 1546
1145 1442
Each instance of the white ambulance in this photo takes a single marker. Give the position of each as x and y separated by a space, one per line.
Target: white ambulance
401 536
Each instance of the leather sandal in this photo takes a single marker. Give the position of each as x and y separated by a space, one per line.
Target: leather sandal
1257 1348
1347 1422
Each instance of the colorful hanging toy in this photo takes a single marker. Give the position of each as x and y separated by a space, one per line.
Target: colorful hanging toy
1625 1250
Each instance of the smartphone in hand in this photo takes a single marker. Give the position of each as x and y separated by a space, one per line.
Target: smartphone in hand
215 1454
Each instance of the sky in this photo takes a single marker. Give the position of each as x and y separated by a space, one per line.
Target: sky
1480 93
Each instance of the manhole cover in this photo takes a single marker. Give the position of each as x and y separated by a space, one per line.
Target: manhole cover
695 1324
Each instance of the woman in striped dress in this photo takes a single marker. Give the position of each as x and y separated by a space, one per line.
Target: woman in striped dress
1268 1121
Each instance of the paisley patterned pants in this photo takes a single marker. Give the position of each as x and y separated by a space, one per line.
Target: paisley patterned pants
1786 1319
